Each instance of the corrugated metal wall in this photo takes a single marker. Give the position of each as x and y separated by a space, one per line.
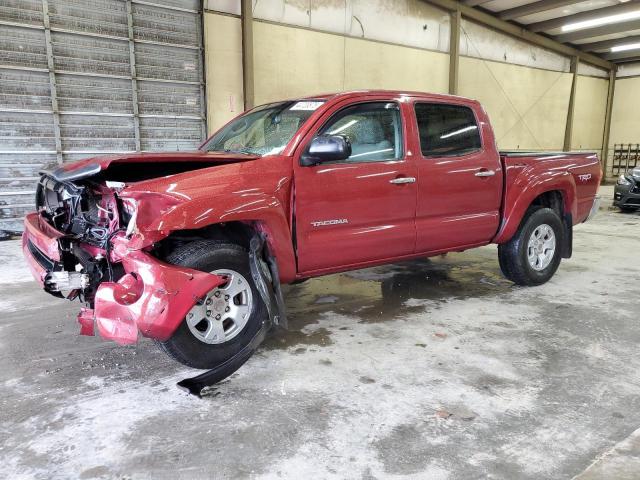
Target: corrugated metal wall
89 77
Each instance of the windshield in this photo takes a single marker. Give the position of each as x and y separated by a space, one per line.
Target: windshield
265 130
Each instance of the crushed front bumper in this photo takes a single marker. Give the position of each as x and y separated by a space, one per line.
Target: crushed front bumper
152 297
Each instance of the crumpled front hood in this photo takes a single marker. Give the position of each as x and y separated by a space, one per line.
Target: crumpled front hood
173 162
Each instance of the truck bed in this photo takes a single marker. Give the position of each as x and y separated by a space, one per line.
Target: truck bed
578 172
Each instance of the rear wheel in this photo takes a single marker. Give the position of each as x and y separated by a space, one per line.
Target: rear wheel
227 317
533 254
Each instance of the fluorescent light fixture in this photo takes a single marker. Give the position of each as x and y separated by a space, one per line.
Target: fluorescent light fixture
344 127
372 152
458 132
596 22
622 48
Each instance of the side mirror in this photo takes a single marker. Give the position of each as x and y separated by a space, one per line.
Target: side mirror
326 148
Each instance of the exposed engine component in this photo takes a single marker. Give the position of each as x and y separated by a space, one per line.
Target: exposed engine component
75 210
66 281
87 215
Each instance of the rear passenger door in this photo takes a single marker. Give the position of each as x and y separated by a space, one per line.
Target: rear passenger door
459 178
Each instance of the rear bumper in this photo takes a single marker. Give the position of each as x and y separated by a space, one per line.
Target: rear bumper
594 208
152 298
626 196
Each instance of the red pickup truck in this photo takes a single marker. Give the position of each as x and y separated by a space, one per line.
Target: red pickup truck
190 249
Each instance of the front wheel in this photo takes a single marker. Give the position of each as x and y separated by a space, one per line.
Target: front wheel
533 254
226 319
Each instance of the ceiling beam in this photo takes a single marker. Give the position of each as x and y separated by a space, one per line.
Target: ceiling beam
615 56
610 29
475 3
629 59
520 32
535 7
584 16
607 44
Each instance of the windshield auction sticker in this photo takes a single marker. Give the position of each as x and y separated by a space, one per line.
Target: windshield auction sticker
306 106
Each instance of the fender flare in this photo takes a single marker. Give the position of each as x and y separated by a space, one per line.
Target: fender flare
524 191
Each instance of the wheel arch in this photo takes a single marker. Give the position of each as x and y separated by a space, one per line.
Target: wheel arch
276 234
554 191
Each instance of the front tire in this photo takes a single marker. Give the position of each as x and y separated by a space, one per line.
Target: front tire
228 317
533 254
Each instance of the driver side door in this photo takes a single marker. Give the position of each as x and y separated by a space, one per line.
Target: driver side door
360 210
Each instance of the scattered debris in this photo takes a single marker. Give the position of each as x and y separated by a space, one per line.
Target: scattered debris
442 413
326 299
458 412
9 235
440 335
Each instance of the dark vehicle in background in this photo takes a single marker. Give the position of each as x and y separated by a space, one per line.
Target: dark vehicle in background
626 195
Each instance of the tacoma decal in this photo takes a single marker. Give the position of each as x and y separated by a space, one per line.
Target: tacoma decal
324 223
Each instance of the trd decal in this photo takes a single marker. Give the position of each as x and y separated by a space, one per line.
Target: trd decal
585 177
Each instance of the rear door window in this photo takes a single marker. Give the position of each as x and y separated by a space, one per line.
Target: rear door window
447 130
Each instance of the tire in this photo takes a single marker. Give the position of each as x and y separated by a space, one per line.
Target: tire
627 209
514 255
209 256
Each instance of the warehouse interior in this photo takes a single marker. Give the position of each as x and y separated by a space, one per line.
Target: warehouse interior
434 368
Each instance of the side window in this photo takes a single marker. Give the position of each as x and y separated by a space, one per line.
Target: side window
374 130
446 130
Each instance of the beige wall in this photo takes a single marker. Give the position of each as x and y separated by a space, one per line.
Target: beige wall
589 112
527 106
291 62
378 65
625 118
223 69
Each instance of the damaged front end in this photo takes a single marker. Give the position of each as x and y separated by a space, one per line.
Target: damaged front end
83 243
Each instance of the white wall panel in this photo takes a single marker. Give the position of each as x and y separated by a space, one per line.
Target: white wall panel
481 42
628 70
225 6
406 22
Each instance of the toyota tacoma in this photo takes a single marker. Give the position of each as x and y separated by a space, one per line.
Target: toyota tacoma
190 249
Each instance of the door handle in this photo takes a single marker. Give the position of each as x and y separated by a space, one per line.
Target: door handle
485 173
403 180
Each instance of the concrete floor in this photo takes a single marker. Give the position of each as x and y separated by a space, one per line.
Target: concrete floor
436 369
